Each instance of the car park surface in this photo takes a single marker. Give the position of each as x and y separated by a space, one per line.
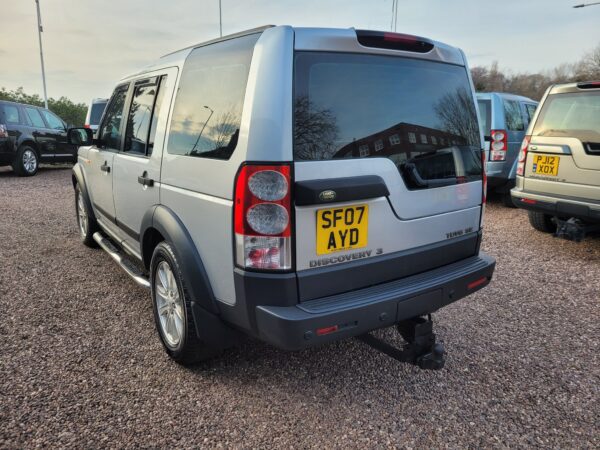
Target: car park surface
81 365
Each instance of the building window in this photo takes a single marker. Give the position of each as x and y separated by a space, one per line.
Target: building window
394 139
423 139
412 138
363 150
433 140
378 145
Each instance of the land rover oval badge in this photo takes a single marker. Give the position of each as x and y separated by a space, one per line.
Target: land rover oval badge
327 196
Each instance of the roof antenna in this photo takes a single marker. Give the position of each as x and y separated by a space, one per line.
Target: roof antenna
394 23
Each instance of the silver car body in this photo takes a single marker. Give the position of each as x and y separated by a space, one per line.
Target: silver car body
200 190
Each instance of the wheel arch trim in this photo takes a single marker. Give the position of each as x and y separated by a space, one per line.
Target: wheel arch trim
169 225
78 178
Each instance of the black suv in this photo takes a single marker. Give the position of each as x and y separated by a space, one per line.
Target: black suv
30 135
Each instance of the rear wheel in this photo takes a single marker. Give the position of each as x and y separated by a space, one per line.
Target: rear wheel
26 161
542 222
172 309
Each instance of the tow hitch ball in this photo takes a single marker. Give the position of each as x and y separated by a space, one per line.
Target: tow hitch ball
420 348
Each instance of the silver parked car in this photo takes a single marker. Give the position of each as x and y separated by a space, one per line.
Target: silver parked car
299 185
504 119
558 177
94 113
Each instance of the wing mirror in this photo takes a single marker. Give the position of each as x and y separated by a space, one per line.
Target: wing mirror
80 136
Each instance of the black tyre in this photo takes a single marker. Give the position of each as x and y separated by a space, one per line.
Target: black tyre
542 222
86 223
171 303
508 201
26 162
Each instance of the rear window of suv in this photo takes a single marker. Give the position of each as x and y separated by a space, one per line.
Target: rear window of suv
419 114
570 115
96 112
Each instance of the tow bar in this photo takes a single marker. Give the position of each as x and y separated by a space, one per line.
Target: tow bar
573 229
420 348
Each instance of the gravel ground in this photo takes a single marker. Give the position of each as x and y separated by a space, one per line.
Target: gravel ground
81 365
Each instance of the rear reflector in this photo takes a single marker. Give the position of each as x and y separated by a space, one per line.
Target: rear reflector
476 283
394 41
589 85
327 330
528 201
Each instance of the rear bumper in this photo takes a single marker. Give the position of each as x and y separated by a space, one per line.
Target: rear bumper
360 311
557 205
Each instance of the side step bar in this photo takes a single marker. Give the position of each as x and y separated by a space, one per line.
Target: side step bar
122 260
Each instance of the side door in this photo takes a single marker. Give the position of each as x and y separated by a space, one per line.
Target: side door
45 142
99 163
136 175
11 130
57 130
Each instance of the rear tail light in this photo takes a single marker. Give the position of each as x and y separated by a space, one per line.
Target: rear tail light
262 217
523 156
87 125
484 177
3 132
498 145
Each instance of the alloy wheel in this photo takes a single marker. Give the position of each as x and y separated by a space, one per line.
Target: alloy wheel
169 304
29 161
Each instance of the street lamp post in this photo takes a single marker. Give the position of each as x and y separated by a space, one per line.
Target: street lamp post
583 5
220 21
40 29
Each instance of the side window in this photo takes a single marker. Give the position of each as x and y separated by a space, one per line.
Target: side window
53 121
512 113
143 115
11 114
110 131
530 110
34 117
208 109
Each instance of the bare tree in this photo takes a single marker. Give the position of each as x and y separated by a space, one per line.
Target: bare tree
456 112
315 131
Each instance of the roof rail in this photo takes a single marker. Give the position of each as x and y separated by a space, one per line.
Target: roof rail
224 38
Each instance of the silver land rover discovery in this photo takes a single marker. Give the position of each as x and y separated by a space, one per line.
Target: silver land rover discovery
298 185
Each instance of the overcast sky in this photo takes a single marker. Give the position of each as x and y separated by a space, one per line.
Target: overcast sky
89 45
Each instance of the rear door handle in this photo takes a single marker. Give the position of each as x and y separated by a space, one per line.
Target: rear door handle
105 167
145 181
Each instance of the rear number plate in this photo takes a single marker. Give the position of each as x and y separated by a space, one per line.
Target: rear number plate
342 228
545 165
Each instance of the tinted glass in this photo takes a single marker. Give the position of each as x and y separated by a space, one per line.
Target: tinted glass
96 113
157 106
140 115
419 114
485 116
570 115
513 116
208 108
35 118
530 110
110 132
53 121
11 114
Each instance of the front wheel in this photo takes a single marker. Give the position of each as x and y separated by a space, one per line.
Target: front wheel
173 311
542 222
85 220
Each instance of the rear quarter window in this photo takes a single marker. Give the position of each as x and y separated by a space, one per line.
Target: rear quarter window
208 108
